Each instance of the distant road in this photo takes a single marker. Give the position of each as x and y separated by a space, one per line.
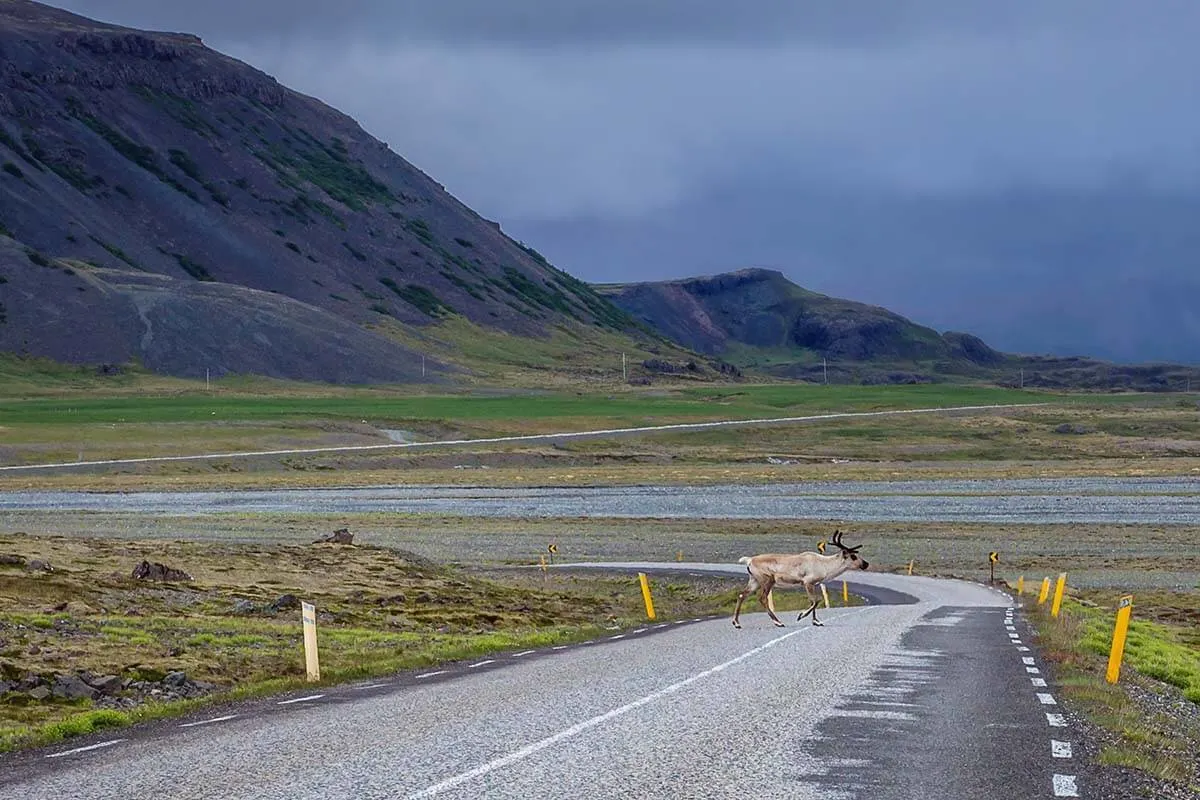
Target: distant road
541 437
938 698
1058 500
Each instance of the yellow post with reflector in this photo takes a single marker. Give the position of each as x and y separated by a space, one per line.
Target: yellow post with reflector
1058 594
1045 592
1124 610
845 594
825 594
308 617
1020 585
993 557
646 594
910 567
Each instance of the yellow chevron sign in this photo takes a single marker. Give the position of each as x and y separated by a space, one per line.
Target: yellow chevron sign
993 556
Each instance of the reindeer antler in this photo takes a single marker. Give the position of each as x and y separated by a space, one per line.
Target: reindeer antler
836 540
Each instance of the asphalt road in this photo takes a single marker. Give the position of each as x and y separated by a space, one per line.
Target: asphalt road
1066 500
927 699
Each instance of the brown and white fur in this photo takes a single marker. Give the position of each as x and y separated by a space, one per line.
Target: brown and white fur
803 569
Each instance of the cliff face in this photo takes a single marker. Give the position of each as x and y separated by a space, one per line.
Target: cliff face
136 166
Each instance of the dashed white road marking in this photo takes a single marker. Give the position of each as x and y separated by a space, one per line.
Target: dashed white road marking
431 674
578 728
368 686
639 630
1064 786
482 663
618 636
109 743
300 699
208 721
1060 749
1056 720
1033 670
1023 649
1038 682
1028 660
1046 699
560 647
523 653
663 625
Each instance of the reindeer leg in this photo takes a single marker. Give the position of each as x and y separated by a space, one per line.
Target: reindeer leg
764 597
737 610
812 609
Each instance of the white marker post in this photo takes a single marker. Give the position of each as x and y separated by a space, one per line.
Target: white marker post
308 615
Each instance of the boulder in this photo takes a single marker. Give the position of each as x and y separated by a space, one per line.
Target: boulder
38 565
39 692
9 560
73 687
107 684
147 571
284 601
340 536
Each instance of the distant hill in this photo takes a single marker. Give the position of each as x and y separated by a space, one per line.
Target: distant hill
164 203
759 320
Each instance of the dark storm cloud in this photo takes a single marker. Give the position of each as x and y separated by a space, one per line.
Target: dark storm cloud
605 22
928 155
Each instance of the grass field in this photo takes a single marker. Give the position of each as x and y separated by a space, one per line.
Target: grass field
425 588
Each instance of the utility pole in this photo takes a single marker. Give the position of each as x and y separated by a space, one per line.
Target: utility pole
207 387
1022 377
825 369
624 374
422 366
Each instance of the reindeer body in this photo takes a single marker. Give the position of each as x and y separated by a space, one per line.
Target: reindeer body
802 569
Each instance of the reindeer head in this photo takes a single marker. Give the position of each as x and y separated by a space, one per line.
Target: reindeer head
849 554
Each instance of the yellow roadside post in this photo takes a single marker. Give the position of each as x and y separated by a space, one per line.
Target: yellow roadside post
1020 585
825 594
1124 609
910 566
1058 594
993 557
679 556
308 616
1045 592
646 594
845 594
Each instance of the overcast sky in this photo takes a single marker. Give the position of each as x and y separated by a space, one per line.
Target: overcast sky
1025 170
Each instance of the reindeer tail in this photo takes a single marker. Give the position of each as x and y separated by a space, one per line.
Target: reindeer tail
744 560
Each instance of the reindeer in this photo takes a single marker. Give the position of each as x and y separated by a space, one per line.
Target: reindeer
807 569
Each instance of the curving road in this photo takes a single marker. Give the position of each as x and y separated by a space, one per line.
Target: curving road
926 699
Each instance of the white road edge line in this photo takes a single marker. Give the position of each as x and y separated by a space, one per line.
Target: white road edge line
481 663
431 674
578 728
523 653
1064 786
526 438
208 721
300 699
1060 749
109 743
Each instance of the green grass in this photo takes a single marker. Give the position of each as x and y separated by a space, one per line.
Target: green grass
1078 643
631 408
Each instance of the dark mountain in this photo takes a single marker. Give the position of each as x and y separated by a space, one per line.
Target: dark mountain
758 319
165 203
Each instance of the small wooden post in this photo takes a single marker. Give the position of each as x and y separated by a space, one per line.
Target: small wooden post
308 617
